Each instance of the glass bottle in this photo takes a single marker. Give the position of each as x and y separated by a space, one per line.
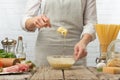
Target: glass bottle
20 54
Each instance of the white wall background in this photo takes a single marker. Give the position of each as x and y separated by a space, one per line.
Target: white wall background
11 13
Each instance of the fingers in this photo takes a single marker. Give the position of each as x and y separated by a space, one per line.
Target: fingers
41 21
82 54
76 50
79 53
46 20
38 23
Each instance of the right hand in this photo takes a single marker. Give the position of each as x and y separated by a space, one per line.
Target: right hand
41 21
80 50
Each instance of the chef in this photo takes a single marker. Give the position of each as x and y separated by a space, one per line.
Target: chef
46 16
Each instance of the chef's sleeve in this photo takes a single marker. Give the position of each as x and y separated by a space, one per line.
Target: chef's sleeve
31 10
90 18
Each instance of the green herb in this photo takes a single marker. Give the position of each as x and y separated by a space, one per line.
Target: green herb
4 54
2 50
99 70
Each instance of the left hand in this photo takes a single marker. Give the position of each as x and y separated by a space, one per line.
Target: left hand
80 50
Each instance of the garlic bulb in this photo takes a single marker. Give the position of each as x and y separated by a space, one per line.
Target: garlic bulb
100 66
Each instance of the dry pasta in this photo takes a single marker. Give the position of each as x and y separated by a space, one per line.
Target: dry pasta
106 33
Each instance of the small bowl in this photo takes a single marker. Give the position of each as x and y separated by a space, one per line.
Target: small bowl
60 61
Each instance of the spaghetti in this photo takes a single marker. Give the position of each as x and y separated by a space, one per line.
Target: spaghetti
106 33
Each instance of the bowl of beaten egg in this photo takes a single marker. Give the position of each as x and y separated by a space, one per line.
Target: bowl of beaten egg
60 61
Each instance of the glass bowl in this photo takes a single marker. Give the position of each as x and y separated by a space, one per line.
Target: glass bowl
61 61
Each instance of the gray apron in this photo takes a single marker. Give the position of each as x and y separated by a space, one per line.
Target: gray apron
66 13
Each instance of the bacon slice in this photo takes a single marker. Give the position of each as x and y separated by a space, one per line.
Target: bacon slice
17 68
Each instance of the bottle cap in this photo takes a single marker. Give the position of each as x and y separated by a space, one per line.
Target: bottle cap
20 38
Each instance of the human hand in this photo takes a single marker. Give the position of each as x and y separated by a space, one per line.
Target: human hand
41 21
80 50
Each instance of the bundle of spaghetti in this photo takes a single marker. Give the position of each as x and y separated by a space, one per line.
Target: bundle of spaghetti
106 33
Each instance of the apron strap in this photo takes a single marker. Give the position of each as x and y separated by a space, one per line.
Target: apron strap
43 6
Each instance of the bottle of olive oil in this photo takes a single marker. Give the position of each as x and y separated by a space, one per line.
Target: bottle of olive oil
20 54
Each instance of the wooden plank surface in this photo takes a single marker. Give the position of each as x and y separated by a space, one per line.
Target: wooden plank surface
104 76
23 76
79 73
47 73
75 73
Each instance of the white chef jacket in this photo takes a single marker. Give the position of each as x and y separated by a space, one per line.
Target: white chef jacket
49 43
89 12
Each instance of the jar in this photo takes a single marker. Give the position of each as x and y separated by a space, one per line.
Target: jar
103 53
113 54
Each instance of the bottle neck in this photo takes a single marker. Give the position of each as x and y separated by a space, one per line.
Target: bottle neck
20 47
